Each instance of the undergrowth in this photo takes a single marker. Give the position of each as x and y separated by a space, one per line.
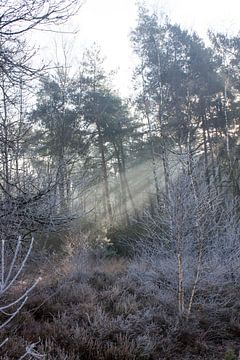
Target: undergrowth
104 312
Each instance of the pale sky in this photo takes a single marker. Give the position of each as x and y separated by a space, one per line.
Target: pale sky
109 22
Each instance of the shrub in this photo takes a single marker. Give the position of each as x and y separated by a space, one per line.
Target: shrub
197 248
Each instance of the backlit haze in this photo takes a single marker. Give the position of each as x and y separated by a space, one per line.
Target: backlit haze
109 23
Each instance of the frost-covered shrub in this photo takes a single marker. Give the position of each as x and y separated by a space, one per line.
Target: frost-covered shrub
12 265
198 247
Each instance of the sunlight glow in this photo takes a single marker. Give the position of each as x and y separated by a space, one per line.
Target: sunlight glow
109 23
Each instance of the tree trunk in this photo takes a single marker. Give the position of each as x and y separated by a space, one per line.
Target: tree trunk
123 200
206 166
164 154
125 178
105 175
154 164
61 185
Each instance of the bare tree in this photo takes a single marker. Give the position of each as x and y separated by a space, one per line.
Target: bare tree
25 202
191 244
19 17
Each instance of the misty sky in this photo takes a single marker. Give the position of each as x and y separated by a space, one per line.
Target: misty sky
109 22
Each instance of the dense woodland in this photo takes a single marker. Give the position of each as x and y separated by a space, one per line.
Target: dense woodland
132 204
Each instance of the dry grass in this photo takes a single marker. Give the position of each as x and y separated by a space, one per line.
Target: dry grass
104 313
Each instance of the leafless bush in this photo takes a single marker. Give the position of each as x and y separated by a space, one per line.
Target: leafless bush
191 244
12 265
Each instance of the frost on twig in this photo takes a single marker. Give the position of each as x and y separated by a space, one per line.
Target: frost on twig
30 351
10 271
190 247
